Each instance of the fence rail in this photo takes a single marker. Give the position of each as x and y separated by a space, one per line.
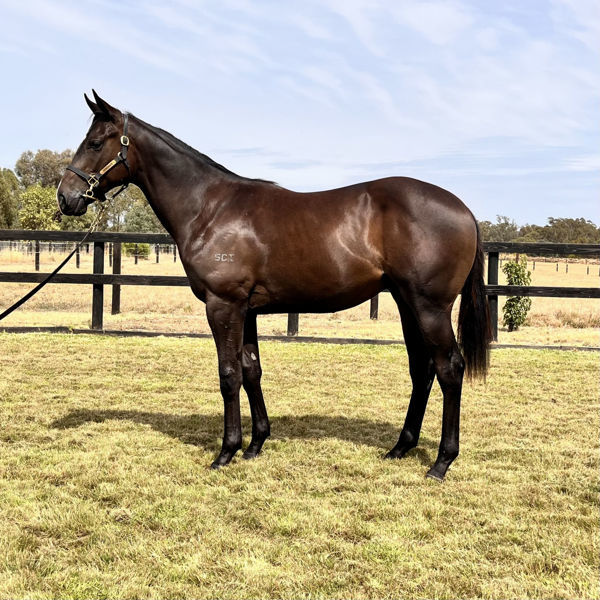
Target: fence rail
98 279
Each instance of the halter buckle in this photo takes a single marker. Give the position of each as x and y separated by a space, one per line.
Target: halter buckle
124 140
93 182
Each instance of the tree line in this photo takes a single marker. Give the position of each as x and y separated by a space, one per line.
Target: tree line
28 201
557 230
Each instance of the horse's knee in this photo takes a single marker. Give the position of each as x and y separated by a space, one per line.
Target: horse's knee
230 379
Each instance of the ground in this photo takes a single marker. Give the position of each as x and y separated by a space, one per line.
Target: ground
105 490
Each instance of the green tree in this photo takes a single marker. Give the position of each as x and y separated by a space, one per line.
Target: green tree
504 230
516 307
140 216
485 230
45 167
532 233
38 208
572 231
82 223
118 209
9 199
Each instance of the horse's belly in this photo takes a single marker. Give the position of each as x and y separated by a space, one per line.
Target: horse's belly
316 291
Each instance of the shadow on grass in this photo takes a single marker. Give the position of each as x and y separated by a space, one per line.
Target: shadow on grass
206 430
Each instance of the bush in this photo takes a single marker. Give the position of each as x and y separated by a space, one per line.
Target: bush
143 250
516 308
38 208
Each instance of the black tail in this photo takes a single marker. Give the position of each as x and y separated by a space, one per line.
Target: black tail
474 331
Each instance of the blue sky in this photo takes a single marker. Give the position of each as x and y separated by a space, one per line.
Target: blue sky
496 101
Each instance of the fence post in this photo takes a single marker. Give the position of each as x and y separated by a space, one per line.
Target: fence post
292 328
374 311
110 255
493 298
174 253
77 256
37 255
98 288
116 289
157 250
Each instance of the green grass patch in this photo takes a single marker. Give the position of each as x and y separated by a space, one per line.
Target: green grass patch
105 490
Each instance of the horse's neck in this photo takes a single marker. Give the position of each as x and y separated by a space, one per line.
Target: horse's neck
179 186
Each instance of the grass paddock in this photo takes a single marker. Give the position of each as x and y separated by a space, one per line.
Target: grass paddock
105 490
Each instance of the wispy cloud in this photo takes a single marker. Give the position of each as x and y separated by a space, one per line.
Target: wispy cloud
588 162
312 27
439 22
72 19
322 92
579 19
360 14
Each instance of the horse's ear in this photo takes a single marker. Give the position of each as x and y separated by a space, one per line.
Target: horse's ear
93 106
104 109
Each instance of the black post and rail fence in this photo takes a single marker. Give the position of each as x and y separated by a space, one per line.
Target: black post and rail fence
98 278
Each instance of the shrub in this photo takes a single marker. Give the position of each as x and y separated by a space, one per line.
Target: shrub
516 308
38 207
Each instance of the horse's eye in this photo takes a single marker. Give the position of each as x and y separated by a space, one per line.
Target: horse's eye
95 144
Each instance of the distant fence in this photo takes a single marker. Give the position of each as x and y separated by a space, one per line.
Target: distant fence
98 279
36 248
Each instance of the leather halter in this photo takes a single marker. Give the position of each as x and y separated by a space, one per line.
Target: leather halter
93 179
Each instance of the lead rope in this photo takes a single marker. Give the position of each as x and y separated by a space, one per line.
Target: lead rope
40 285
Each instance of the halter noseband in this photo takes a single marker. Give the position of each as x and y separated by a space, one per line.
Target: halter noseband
93 180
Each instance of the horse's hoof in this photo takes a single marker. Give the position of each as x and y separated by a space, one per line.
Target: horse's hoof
221 461
431 474
253 449
397 453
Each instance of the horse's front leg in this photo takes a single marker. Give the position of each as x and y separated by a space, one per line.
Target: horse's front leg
251 373
226 321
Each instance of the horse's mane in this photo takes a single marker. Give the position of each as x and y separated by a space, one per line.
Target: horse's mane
182 147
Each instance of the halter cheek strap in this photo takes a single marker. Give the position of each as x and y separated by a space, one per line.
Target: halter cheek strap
93 179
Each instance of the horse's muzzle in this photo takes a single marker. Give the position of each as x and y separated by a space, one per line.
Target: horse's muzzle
75 207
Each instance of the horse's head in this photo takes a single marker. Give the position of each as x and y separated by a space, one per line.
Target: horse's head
100 162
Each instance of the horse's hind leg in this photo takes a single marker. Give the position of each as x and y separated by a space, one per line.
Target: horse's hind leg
422 373
251 372
435 324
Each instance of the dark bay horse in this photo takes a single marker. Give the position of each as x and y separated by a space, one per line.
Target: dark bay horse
251 247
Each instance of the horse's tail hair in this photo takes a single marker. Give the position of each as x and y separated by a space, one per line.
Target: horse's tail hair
474 330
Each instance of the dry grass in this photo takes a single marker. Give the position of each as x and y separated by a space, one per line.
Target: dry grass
552 321
564 312
105 490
